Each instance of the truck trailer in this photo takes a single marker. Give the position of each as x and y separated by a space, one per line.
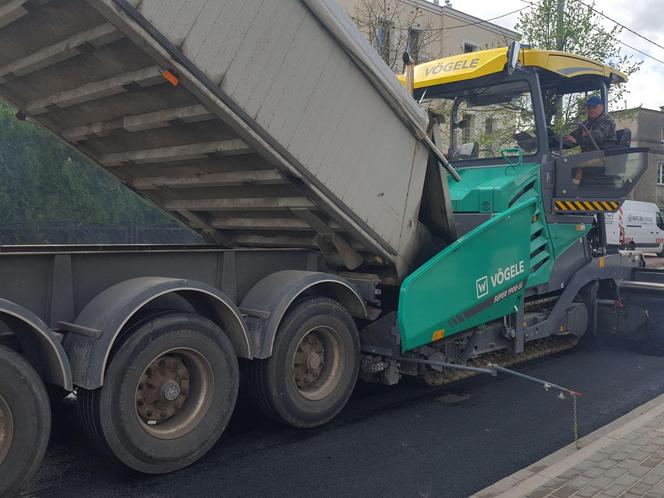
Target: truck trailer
350 234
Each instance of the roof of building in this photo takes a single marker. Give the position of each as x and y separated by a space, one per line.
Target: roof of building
465 19
474 65
636 110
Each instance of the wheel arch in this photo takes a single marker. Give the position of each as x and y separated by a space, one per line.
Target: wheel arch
268 301
40 345
101 322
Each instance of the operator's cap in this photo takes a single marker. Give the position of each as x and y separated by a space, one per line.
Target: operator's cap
593 101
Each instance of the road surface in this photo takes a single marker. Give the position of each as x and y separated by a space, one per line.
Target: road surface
407 440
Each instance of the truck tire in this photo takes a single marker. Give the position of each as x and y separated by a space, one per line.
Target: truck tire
169 391
25 422
313 368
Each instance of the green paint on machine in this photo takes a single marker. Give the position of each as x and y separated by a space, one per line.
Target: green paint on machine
479 278
564 235
491 188
484 275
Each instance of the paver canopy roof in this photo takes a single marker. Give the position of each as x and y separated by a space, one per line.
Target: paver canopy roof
473 65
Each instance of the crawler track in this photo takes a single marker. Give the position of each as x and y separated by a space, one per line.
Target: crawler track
533 351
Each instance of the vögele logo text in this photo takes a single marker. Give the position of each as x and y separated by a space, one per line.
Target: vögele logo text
508 273
500 277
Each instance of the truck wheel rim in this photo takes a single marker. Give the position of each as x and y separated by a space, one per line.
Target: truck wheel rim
317 363
174 393
6 429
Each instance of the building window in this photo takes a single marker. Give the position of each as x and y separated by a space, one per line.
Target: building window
488 126
469 47
660 173
413 43
661 134
466 130
383 41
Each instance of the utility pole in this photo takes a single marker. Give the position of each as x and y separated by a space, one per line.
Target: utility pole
560 45
560 25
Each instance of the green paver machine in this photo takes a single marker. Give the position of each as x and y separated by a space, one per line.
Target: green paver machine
528 272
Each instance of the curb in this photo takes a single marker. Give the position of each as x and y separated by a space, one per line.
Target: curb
530 478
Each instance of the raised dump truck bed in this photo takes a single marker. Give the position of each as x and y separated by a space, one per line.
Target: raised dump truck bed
260 123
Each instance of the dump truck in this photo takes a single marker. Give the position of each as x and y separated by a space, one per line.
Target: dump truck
353 229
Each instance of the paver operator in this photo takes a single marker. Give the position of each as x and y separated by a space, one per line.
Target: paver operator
600 125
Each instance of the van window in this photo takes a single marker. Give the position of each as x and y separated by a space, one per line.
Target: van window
660 221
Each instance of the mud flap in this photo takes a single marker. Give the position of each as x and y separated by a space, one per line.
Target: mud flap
479 278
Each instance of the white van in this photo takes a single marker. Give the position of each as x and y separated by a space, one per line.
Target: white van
636 226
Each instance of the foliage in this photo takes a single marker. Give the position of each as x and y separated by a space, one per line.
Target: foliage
44 180
574 26
394 27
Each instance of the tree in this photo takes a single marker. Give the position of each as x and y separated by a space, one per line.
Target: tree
394 27
575 26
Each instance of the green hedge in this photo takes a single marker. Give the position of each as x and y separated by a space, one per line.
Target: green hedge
44 180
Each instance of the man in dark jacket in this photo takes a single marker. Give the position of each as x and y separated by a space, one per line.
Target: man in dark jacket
601 126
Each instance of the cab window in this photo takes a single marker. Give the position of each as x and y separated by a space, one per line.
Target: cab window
602 174
480 122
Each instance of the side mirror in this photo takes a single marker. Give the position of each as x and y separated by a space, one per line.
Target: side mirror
513 56
460 125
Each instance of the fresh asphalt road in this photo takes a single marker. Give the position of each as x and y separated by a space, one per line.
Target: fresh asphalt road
406 440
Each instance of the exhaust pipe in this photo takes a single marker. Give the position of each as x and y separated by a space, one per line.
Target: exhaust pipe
409 64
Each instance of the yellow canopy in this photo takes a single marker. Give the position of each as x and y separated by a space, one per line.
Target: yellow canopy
485 62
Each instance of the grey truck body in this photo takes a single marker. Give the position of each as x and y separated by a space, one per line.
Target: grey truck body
65 306
285 128
272 128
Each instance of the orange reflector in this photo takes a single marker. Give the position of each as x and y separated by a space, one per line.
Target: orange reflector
171 77
602 262
438 335
580 228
